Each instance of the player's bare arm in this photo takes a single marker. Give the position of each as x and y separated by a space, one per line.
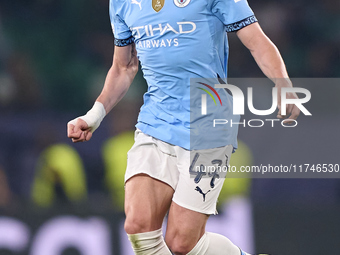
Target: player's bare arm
117 83
120 76
271 63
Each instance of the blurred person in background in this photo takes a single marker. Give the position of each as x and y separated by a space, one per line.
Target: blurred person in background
19 83
59 175
20 67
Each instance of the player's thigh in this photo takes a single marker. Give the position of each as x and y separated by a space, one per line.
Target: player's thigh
184 229
151 177
147 201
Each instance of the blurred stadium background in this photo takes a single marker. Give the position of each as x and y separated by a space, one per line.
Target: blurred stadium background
59 198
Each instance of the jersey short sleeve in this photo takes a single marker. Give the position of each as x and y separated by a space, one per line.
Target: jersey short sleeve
121 31
235 14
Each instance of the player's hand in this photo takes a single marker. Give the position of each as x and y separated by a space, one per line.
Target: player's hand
78 130
292 112
82 128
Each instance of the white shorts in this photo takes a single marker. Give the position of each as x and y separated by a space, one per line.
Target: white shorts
196 176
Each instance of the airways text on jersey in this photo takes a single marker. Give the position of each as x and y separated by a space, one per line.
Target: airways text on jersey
150 36
157 43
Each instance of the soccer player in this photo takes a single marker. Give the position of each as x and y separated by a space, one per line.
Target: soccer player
176 40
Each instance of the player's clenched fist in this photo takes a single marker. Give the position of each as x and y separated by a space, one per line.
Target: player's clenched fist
82 128
78 130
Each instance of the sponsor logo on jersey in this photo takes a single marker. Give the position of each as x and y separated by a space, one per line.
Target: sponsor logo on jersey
157 43
137 3
142 34
157 5
182 27
183 3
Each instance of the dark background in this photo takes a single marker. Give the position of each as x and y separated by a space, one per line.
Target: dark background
54 55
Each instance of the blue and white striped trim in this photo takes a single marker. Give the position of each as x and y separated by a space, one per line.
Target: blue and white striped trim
241 24
123 42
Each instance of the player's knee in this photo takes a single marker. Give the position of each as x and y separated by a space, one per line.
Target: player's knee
179 245
135 224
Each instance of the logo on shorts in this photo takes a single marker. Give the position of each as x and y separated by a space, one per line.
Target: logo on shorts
181 3
201 192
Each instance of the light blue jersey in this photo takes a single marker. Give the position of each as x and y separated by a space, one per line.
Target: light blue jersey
177 40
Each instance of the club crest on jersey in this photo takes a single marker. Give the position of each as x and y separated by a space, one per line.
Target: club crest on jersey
181 3
157 5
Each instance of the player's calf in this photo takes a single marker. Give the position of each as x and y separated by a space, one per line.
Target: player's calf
185 228
180 246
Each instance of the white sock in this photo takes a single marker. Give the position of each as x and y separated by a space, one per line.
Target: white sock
149 243
213 244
